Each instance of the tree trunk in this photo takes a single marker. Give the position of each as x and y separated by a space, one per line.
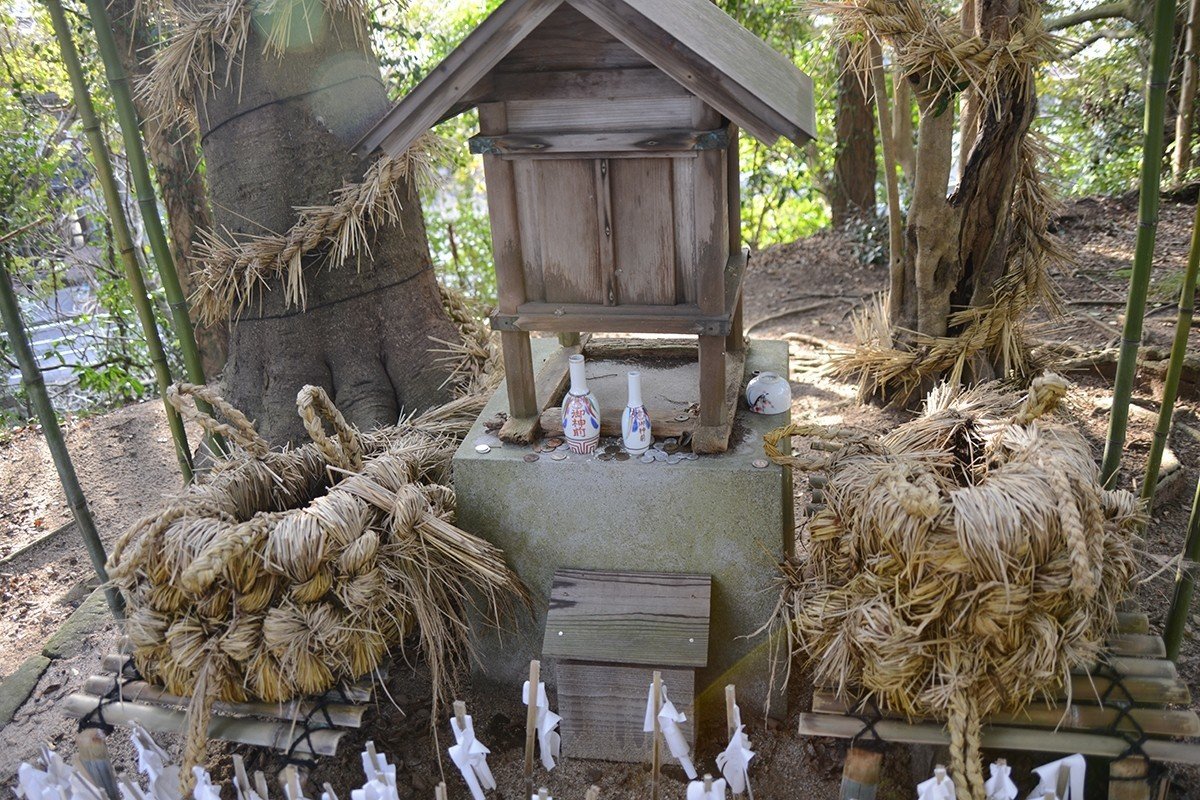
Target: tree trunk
1182 160
279 137
902 126
173 149
854 169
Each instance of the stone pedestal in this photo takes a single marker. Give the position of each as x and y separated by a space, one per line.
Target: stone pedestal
719 514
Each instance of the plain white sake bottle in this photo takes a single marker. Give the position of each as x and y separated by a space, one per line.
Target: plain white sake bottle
580 413
635 422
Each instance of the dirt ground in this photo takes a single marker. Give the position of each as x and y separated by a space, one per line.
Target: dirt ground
806 292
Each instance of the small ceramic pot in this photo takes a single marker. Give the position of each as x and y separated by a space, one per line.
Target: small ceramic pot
580 413
635 422
767 393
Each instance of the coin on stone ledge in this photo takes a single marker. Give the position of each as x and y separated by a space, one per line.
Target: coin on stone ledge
482 448
760 463
647 459
529 458
558 456
671 448
605 456
554 441
622 456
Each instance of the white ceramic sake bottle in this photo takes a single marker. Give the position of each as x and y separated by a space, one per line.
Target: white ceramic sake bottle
635 422
580 414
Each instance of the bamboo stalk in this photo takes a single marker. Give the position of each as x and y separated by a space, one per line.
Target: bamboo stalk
1181 162
1139 282
127 117
120 226
1185 584
10 312
1183 326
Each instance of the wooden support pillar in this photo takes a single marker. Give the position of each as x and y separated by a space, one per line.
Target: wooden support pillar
736 340
1128 779
860 773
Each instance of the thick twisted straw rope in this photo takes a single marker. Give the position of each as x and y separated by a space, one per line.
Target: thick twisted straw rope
973 542
314 406
239 428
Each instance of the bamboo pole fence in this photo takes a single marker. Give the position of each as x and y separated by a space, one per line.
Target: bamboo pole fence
127 117
1183 327
1135 310
121 231
10 312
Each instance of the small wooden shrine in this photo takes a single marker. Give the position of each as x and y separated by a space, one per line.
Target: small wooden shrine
609 136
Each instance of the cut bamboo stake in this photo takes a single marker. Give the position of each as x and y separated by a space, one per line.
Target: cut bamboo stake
593 793
1183 326
730 711
655 744
460 714
1185 584
10 313
241 780
102 163
543 794
439 791
260 784
535 677
127 117
92 747
1143 256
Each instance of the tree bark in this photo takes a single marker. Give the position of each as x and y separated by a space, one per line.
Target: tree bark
173 150
902 125
280 138
854 167
1182 157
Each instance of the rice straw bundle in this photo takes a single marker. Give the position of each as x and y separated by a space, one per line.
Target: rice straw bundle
283 574
963 564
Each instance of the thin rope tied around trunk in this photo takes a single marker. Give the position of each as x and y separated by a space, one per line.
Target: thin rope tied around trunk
963 563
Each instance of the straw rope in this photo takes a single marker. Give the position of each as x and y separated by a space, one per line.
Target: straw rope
963 563
284 573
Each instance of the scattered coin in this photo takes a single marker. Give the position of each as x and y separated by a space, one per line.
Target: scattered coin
539 448
672 440
760 463
691 456
554 441
648 458
605 456
558 455
675 459
659 455
482 448
529 458
612 449
659 446
671 447
563 446
681 417
622 456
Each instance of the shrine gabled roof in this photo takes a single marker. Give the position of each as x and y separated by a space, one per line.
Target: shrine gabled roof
694 42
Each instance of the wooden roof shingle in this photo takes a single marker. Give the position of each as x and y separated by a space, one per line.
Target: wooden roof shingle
694 42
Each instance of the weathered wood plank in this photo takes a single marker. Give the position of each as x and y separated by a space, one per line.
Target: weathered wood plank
341 714
683 187
1154 721
518 371
275 735
649 143
664 421
860 774
592 115
597 318
643 223
604 233
1000 738
569 232
652 618
621 349
722 63
525 177
466 65
567 40
603 707
554 376
605 84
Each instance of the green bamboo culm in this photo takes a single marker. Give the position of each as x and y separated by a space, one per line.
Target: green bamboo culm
1185 584
1143 254
127 118
31 376
1183 326
120 227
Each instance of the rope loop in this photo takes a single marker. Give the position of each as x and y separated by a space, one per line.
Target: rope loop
238 429
315 408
